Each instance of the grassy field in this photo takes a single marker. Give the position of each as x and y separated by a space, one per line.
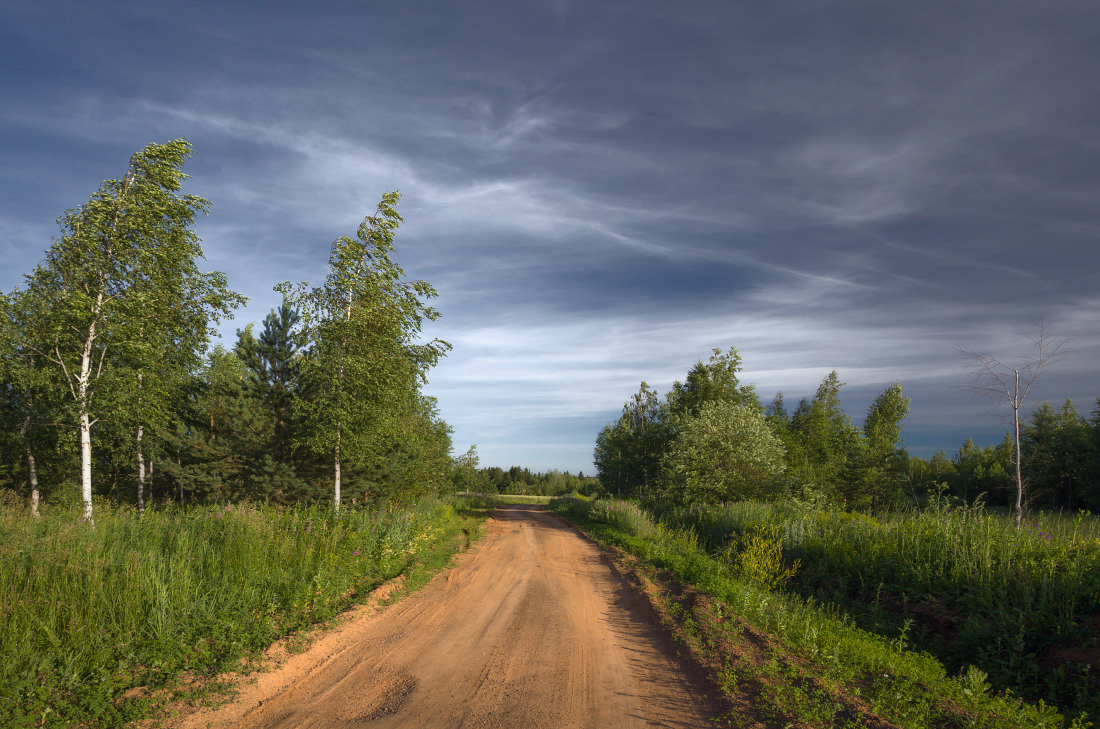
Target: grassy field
509 498
87 614
957 582
810 662
522 499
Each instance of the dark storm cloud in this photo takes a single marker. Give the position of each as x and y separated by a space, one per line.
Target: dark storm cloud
602 192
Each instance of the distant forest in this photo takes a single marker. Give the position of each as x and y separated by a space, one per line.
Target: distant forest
517 480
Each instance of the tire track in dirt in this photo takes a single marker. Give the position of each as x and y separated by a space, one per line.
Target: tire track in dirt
532 628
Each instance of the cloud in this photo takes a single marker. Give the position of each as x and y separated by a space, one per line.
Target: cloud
602 193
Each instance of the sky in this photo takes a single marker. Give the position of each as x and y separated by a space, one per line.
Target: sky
603 192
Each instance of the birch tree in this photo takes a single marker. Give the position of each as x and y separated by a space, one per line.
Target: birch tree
120 288
360 329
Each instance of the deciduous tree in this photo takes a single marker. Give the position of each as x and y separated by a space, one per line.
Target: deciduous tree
713 381
821 441
727 452
628 453
362 327
124 273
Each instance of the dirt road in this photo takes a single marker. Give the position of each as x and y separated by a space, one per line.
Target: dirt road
532 628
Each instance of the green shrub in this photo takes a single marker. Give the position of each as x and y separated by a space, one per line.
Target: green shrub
758 558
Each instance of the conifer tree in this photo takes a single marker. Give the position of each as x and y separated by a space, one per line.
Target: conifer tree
881 461
274 365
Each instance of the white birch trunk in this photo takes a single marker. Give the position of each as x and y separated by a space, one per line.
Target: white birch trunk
140 460
340 384
32 468
141 472
336 495
32 475
86 464
82 386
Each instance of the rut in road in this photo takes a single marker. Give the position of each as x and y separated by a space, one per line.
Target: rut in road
532 628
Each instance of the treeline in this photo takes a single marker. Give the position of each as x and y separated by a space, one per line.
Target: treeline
111 389
711 439
1060 462
518 480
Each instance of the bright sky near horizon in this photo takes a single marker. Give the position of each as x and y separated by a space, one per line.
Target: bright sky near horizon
604 191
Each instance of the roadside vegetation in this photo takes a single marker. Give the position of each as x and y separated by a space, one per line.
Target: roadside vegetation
961 584
99 625
785 659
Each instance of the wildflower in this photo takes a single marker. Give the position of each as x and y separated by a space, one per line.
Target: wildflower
355 553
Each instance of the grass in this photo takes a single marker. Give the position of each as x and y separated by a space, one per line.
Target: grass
522 499
86 614
811 663
961 583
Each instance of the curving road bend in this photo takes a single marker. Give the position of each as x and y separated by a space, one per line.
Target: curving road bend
532 628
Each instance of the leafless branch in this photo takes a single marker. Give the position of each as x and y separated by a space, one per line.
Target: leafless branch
992 379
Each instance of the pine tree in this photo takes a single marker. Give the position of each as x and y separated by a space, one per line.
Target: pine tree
274 365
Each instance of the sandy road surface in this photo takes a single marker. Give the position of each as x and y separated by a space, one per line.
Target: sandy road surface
532 628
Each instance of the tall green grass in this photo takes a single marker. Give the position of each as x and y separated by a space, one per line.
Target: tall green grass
1005 600
86 613
911 689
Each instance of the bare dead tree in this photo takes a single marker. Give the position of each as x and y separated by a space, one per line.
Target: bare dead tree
992 379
